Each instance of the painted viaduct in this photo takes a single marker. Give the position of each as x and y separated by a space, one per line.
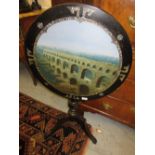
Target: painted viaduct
86 76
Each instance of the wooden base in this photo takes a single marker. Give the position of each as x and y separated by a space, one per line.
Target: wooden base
75 115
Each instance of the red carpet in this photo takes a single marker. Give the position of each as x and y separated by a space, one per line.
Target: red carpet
36 122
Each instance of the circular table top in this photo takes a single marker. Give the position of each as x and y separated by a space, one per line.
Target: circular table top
78 51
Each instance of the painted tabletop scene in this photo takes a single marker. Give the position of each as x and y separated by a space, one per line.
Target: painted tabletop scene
79 58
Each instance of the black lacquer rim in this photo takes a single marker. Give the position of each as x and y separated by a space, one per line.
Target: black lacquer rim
99 16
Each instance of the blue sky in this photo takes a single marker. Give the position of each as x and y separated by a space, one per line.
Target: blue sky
79 37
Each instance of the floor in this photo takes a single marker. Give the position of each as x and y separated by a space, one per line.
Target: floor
113 137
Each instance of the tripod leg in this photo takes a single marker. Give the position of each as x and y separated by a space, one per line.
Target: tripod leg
88 133
76 115
80 121
58 125
84 126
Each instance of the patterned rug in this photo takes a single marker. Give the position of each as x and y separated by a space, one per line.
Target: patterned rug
36 122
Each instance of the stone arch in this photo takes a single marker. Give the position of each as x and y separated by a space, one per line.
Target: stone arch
84 89
101 81
94 66
107 70
74 69
53 59
88 64
58 61
58 71
65 65
65 75
87 74
73 81
100 69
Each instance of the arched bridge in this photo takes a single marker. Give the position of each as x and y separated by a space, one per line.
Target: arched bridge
85 76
